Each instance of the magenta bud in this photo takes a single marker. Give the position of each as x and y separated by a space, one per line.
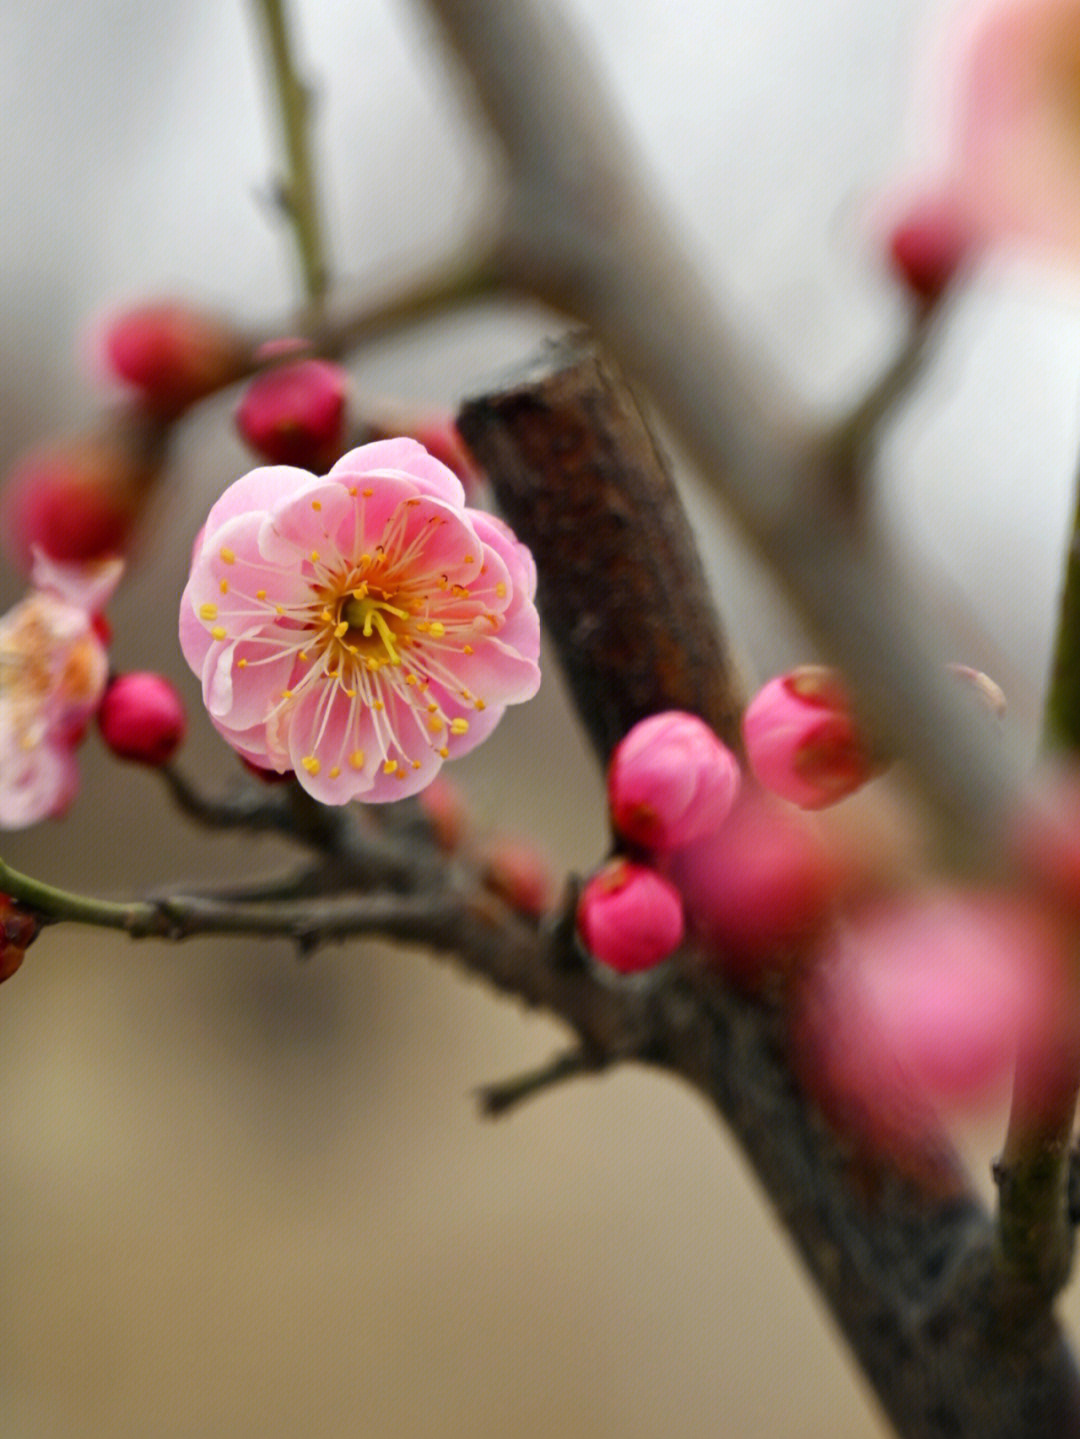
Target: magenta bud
18 930
142 718
75 500
929 246
801 740
295 414
630 917
171 354
670 781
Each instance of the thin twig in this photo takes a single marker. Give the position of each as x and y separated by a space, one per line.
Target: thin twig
297 187
506 1094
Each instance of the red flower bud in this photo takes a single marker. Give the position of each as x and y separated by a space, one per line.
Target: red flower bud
295 414
18 930
671 781
172 354
142 718
75 500
629 917
929 246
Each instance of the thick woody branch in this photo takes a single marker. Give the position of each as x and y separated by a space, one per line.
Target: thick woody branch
906 1262
584 234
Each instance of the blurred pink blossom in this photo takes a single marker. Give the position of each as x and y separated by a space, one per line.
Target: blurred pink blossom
1014 162
671 781
362 627
929 998
53 669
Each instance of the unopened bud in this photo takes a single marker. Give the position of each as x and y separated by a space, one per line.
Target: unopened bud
295 414
929 246
629 917
18 930
801 740
516 870
671 781
75 500
446 811
142 718
172 354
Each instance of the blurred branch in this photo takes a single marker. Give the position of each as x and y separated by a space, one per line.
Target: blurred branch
297 188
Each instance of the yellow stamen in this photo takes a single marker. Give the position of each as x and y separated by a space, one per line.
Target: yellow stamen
459 726
224 587
228 557
241 664
316 504
356 759
500 590
335 772
314 557
311 764
390 766
435 724
219 632
208 612
438 629
260 594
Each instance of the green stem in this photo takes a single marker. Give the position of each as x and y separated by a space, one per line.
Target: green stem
298 188
1061 721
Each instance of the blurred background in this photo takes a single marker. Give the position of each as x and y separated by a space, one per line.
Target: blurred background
244 1196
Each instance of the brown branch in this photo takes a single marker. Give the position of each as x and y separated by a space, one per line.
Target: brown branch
906 1263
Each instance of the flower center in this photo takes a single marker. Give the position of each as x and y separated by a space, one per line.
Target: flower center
366 618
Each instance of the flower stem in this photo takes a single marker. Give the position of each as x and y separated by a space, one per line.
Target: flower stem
297 188
1061 721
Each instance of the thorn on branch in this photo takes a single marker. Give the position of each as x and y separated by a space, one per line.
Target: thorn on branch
496 1099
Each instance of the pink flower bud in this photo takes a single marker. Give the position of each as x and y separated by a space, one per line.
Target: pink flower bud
446 812
172 354
519 872
295 414
74 500
629 917
142 718
801 741
929 246
18 930
759 887
670 781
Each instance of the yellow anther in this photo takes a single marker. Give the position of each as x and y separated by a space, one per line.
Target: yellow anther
365 559
314 557
444 752
340 628
287 694
219 632
432 709
303 656
469 560
412 504
500 590
435 724
467 649
335 772
480 705
368 493
241 664
390 766
438 629
311 764
459 726
416 764
423 626
361 591
378 705
353 491
224 587
350 694
316 504
459 592
228 557
356 759
372 663
260 594
327 618
279 609
399 774
411 680
208 612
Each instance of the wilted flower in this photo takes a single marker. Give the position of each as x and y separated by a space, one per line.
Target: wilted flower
53 669
361 627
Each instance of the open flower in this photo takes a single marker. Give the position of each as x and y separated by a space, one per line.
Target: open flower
53 669
362 627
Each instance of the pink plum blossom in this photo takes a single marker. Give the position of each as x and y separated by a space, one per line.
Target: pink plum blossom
801 739
629 917
360 627
53 669
671 780
1014 167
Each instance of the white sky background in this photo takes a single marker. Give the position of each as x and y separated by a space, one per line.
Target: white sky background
221 1118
